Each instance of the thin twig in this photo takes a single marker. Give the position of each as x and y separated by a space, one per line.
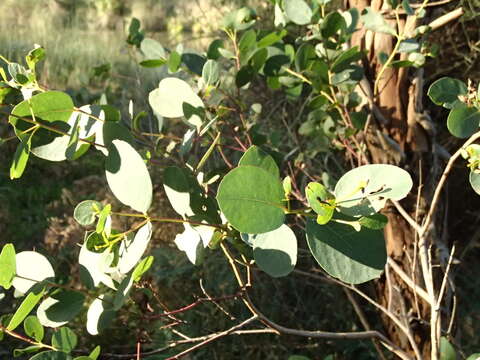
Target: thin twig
416 288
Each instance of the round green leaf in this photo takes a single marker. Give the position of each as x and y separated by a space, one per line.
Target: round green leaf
251 200
31 267
447 351
363 191
349 255
210 72
33 328
298 11
445 91
60 308
64 339
167 100
152 49
128 177
275 252
131 252
463 121
85 212
255 156
475 181
53 108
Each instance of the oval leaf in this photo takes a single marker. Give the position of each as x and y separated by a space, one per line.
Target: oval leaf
475 181
7 266
33 328
128 177
53 108
463 121
97 317
351 256
251 200
255 156
85 212
31 268
167 100
275 252
445 91
363 191
298 11
133 251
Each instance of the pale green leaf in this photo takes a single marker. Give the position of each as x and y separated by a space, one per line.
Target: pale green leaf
86 211
298 11
31 268
321 201
167 100
447 351
376 22
98 317
128 177
51 355
364 191
131 252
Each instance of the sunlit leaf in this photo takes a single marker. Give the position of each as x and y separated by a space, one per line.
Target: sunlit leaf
85 212
298 11
363 191
27 305
167 100
98 317
31 268
128 177
7 266
131 252
33 328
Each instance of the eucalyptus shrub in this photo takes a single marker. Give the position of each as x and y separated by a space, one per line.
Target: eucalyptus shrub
250 205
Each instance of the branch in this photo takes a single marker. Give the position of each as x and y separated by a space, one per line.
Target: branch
416 288
445 19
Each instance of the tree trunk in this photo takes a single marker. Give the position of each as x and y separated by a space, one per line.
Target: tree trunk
399 133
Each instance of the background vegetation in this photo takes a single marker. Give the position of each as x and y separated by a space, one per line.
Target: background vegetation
88 56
